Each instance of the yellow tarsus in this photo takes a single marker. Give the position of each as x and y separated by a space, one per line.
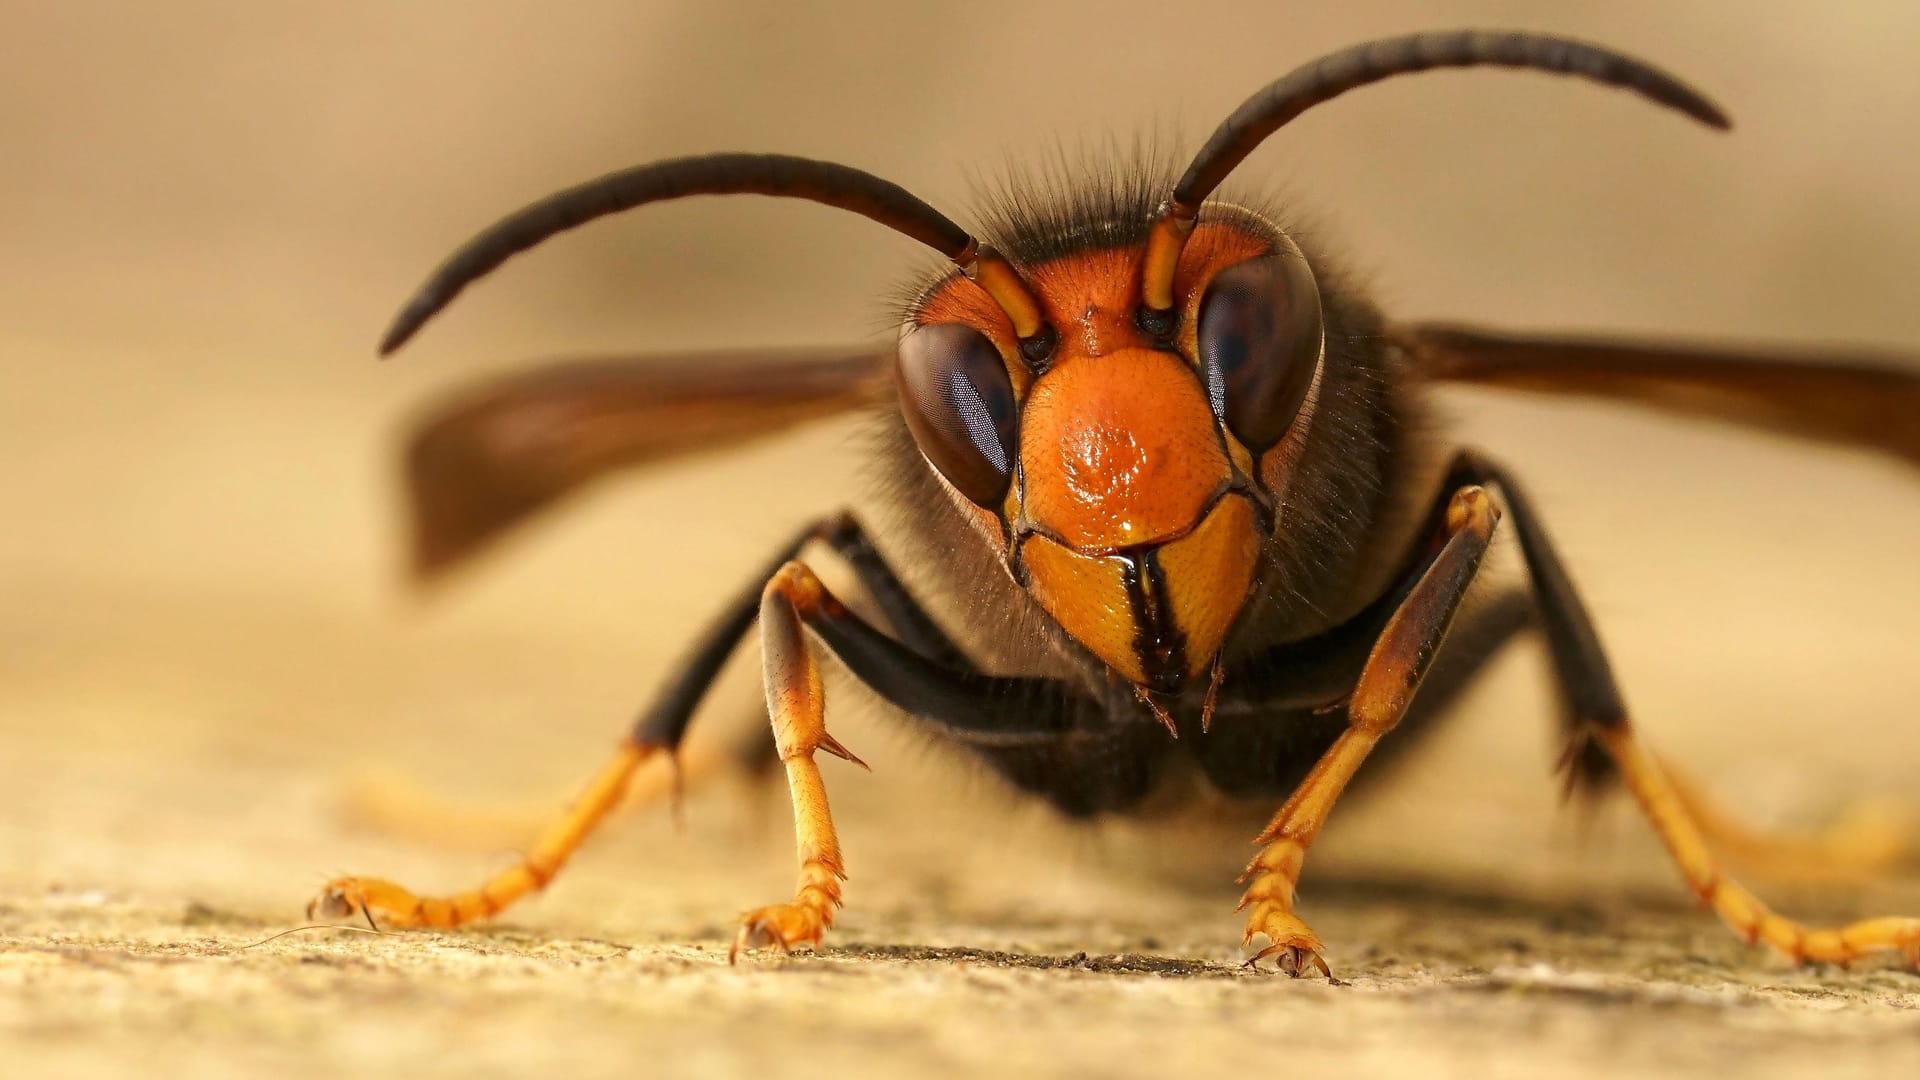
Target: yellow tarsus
386 903
1737 906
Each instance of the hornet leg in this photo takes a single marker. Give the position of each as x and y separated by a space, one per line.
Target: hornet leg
1601 725
1392 673
657 734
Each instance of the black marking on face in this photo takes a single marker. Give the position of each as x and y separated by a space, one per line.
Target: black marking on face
1159 644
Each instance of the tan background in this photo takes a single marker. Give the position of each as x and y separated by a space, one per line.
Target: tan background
208 211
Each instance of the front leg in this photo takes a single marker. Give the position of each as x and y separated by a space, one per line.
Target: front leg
1392 673
796 705
991 713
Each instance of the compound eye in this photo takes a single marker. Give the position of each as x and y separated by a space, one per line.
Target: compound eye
1259 341
959 405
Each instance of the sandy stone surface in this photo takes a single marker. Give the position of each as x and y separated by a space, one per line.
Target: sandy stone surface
1440 980
1473 936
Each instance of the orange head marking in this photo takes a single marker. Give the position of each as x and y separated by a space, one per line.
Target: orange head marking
1119 451
1127 505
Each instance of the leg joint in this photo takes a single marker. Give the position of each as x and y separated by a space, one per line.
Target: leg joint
1471 509
796 583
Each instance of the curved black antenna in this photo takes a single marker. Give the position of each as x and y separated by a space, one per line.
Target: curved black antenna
713 174
1336 73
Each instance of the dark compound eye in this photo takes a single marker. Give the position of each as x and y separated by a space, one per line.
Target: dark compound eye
959 405
1259 341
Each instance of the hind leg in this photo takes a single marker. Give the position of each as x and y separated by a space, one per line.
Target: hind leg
395 806
1868 840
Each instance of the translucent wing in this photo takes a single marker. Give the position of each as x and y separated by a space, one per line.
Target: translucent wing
491 456
1861 399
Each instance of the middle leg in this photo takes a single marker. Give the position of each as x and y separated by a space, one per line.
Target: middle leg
648 765
1602 732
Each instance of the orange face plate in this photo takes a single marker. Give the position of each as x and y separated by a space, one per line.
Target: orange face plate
1119 451
1120 522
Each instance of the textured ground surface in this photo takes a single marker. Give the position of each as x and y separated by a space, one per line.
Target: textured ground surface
975 942
1452 984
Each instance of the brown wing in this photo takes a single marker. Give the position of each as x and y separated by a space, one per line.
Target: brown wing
489 457
1856 398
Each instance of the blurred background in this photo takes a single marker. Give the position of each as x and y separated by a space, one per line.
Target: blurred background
208 211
